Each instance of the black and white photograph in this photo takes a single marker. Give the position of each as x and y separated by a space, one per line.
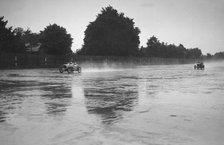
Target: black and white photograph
111 72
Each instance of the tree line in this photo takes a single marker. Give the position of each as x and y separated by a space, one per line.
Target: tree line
110 34
53 39
155 48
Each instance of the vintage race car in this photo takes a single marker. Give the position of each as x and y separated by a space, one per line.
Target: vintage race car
199 65
70 67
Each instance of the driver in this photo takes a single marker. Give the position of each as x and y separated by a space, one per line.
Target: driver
75 64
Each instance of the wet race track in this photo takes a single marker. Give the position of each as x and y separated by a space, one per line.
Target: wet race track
145 105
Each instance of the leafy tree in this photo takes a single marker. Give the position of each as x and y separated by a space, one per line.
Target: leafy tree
19 45
219 55
6 35
208 56
194 53
10 40
55 40
155 48
111 34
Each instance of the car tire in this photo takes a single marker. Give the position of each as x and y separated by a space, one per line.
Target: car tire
79 69
61 69
70 70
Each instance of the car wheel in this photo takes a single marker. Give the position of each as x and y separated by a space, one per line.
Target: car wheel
70 70
61 69
79 69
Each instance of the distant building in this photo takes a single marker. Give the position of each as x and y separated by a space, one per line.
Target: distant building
33 48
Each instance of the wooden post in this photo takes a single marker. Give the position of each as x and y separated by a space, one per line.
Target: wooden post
45 61
16 64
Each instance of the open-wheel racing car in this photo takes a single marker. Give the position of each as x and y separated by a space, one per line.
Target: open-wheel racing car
199 65
70 67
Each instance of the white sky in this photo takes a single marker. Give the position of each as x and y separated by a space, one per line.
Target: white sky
194 23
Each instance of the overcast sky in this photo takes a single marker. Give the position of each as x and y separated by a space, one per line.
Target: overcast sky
193 23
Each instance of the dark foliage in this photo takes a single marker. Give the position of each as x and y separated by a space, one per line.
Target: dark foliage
55 40
208 56
111 34
10 40
219 55
155 48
